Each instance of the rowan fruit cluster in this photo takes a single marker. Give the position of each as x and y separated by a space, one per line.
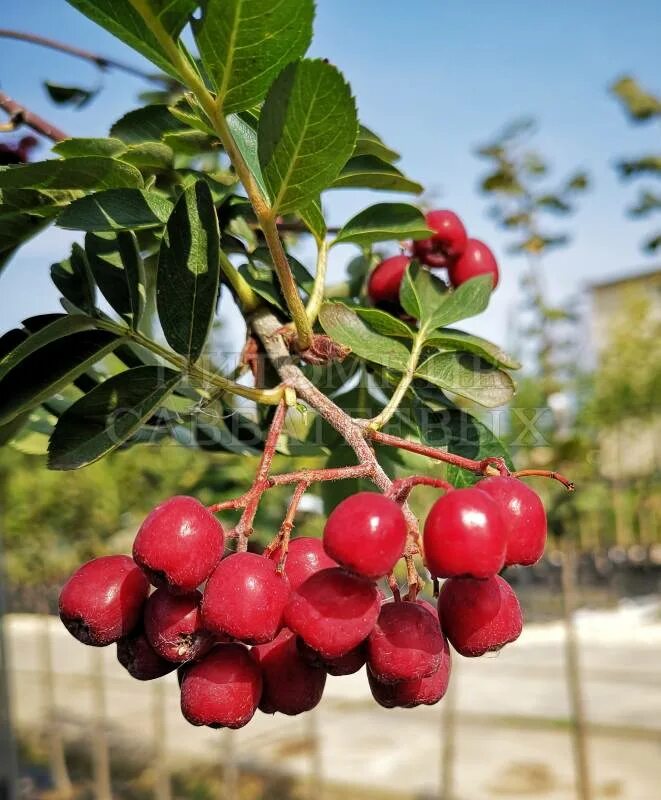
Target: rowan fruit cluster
250 631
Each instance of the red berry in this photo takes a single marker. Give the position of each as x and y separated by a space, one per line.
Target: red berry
406 643
524 518
102 601
179 544
223 689
385 280
291 684
304 557
479 616
245 598
366 534
173 624
476 260
447 244
333 612
465 535
348 664
140 659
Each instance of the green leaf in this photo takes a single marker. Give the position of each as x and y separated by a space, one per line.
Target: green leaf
384 222
149 156
147 124
346 327
468 376
79 172
244 132
118 271
69 95
370 172
69 148
244 44
468 300
74 279
106 417
369 144
51 368
639 104
408 294
307 132
123 21
449 339
313 218
189 271
385 323
116 209
423 293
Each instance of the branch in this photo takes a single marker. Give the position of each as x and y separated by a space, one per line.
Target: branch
19 115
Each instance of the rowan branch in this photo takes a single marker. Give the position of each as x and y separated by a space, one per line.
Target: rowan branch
20 115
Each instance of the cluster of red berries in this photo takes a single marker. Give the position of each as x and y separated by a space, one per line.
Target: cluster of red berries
267 629
449 248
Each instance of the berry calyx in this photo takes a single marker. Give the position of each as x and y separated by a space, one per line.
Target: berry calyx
245 598
409 694
524 517
385 280
221 690
140 659
447 244
102 601
366 534
465 535
173 625
348 664
292 685
477 259
333 611
305 556
405 644
479 616
179 544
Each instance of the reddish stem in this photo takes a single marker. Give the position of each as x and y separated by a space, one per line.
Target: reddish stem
394 587
402 487
545 473
288 523
19 115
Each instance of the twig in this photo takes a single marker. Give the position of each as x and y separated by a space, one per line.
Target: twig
545 473
402 487
19 115
288 523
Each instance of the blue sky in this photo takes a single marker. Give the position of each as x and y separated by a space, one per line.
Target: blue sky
434 78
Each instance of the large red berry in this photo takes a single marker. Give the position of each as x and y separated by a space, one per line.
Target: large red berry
173 624
523 515
179 544
348 664
291 684
447 244
406 643
385 280
465 535
333 612
140 659
479 616
245 598
476 260
304 557
223 689
366 534
102 601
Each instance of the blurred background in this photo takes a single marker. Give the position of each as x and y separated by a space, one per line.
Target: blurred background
542 129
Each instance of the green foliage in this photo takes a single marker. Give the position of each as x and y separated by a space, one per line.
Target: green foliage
384 222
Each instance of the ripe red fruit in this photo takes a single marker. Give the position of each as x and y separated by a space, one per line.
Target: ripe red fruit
406 643
173 624
333 612
304 557
245 598
291 684
179 544
479 616
102 601
348 664
140 659
524 517
465 535
223 689
476 260
366 534
385 280
447 244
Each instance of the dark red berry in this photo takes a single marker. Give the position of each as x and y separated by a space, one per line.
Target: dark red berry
173 624
476 260
409 694
291 684
465 535
221 690
385 280
366 534
524 518
406 643
245 598
140 659
479 616
304 557
447 244
333 612
179 544
102 601
348 664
